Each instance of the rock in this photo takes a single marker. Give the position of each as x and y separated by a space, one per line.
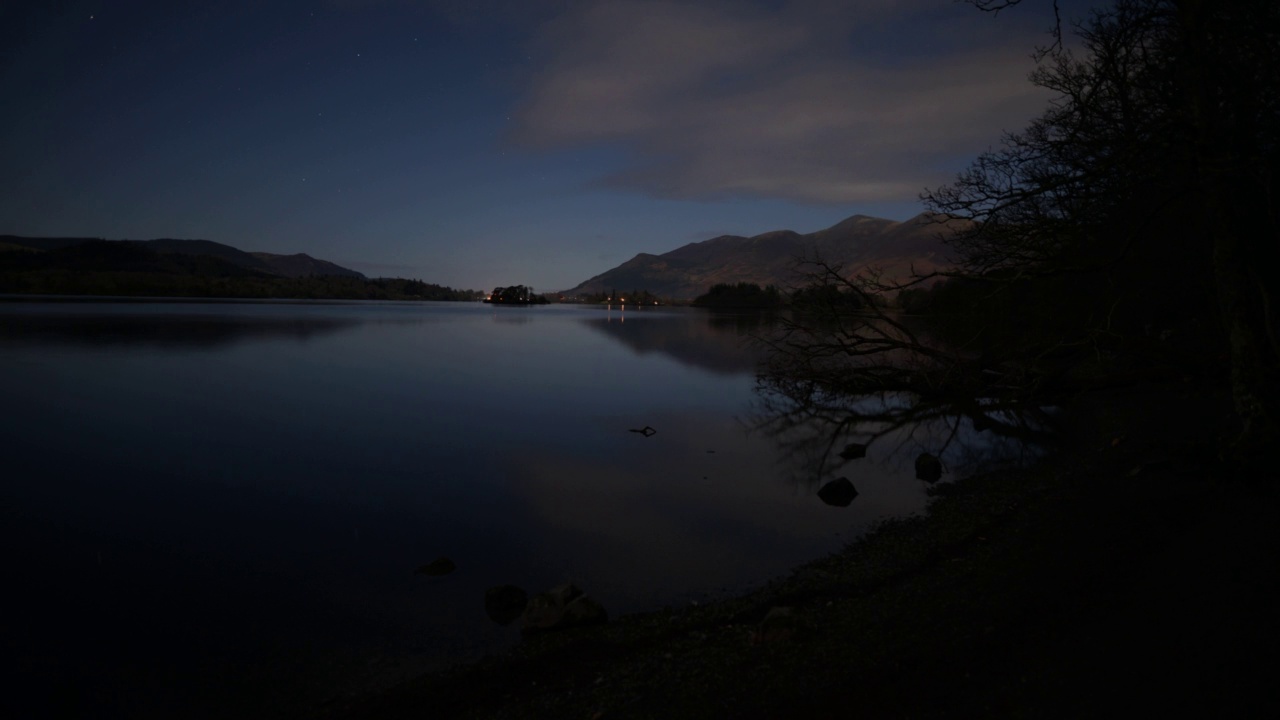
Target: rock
928 468
566 593
562 607
505 603
853 451
582 612
439 566
541 613
779 625
839 492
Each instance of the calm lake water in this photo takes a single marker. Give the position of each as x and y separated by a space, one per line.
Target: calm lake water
217 508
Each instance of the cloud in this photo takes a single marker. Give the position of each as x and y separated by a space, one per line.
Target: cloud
805 102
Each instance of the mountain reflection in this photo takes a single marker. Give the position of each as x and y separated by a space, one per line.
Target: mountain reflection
506 316
718 342
162 331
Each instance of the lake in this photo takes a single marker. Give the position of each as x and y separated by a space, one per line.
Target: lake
219 507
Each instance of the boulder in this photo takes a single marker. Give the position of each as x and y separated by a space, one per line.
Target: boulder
541 613
439 566
928 468
583 611
779 625
839 492
562 607
505 603
853 451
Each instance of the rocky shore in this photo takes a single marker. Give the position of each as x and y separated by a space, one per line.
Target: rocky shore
1131 571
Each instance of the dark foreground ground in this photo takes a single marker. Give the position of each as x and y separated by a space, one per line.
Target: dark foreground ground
1131 573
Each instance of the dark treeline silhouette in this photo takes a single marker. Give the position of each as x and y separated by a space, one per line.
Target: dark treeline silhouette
741 295
822 296
515 295
614 297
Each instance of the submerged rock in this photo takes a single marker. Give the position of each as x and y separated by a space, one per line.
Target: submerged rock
981 422
839 492
853 451
439 566
928 468
505 603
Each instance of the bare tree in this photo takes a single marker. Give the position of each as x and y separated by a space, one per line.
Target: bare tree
1161 143
1115 236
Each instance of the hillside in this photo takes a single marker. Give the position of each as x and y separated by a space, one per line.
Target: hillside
189 268
858 243
302 265
160 253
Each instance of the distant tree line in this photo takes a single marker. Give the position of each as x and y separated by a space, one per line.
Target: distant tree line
613 297
516 295
741 295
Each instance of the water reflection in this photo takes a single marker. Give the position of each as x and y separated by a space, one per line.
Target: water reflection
161 331
281 493
821 436
512 315
718 342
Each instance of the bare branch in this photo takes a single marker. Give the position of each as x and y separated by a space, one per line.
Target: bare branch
995 7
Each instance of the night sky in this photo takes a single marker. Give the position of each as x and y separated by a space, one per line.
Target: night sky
474 144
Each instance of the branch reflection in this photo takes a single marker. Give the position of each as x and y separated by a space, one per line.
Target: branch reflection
822 434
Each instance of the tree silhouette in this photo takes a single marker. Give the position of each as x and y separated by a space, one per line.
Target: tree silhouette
1150 179
1121 235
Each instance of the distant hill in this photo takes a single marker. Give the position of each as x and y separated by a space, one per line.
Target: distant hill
290 266
190 268
858 243
302 265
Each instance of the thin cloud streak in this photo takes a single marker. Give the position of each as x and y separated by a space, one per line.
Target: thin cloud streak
717 101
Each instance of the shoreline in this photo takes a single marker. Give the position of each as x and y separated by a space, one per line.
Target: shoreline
1020 592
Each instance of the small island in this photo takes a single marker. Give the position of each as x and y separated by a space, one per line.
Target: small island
515 295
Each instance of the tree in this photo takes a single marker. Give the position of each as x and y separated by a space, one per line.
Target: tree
1155 161
741 295
1121 234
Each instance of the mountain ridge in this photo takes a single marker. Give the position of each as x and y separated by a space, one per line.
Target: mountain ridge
858 243
298 265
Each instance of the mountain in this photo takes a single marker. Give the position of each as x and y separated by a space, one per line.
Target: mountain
170 255
857 243
302 265
190 269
